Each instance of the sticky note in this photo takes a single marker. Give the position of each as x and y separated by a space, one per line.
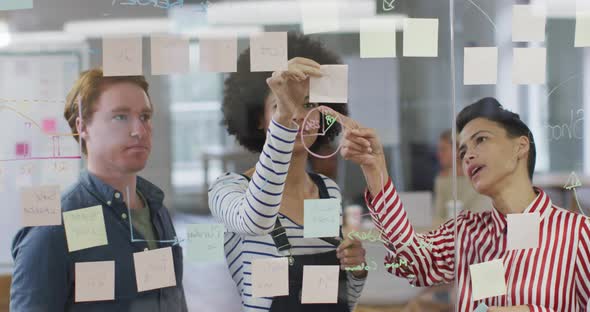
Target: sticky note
268 51
170 55
41 205
6 5
205 242
270 277
94 281
528 24
523 230
122 56
582 32
85 228
22 149
480 66
320 284
218 55
482 307
154 269
49 125
321 217
528 66
332 87
420 37
319 16
487 279
377 38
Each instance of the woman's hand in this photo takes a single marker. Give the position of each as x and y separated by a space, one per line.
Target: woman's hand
291 86
351 254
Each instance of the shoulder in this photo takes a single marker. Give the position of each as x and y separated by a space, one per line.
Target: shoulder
75 197
229 179
333 188
40 240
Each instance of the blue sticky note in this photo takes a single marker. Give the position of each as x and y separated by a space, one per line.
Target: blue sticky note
321 218
6 5
482 307
205 242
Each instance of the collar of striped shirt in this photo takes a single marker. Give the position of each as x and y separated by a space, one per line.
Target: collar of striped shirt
540 204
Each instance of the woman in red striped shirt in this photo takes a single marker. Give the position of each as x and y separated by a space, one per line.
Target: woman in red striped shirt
497 152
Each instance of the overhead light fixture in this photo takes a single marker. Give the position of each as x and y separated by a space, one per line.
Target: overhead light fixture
118 27
5 36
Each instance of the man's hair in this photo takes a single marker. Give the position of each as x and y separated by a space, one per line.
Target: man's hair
87 89
245 93
490 109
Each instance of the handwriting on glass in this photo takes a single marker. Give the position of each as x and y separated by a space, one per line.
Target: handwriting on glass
372 265
162 4
388 5
559 131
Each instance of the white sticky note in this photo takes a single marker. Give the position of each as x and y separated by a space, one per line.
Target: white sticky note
487 279
270 277
582 34
320 284
421 37
332 87
482 307
41 205
481 66
170 55
154 269
528 66
321 217
94 281
528 23
85 228
122 56
377 38
523 230
7 5
205 242
319 16
268 52
218 55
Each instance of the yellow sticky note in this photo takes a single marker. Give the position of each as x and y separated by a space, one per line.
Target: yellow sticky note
421 37
582 35
268 51
529 66
332 87
377 38
95 281
523 230
170 55
270 277
319 16
218 55
528 23
320 284
85 228
122 56
487 279
41 205
480 66
154 269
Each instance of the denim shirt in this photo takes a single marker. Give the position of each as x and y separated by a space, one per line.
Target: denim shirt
43 278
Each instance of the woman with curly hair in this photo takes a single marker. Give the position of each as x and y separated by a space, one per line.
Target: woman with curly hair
262 209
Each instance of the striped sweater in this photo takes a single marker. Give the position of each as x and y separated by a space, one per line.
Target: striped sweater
249 209
553 277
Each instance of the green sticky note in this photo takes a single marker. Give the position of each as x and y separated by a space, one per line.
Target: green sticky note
205 242
321 218
85 228
6 5
377 38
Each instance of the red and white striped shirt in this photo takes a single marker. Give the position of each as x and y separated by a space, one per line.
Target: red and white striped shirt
553 277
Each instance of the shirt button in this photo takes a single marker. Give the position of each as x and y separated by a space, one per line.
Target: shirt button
109 203
117 195
145 249
124 216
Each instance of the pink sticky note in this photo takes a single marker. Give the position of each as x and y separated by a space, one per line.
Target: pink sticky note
122 56
320 284
41 205
218 54
49 125
22 149
154 269
270 277
332 87
95 281
170 55
268 52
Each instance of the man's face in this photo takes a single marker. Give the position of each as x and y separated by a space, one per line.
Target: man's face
445 154
488 156
119 135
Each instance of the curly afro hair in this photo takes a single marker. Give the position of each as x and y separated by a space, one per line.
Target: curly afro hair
245 92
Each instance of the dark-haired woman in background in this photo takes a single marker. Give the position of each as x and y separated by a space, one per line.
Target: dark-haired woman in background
497 153
266 113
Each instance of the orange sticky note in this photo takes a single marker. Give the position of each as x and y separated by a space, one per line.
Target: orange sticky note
95 281
170 55
154 269
218 55
332 87
270 277
320 284
41 205
122 56
268 52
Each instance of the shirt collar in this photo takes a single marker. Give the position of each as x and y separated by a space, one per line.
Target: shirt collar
540 204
